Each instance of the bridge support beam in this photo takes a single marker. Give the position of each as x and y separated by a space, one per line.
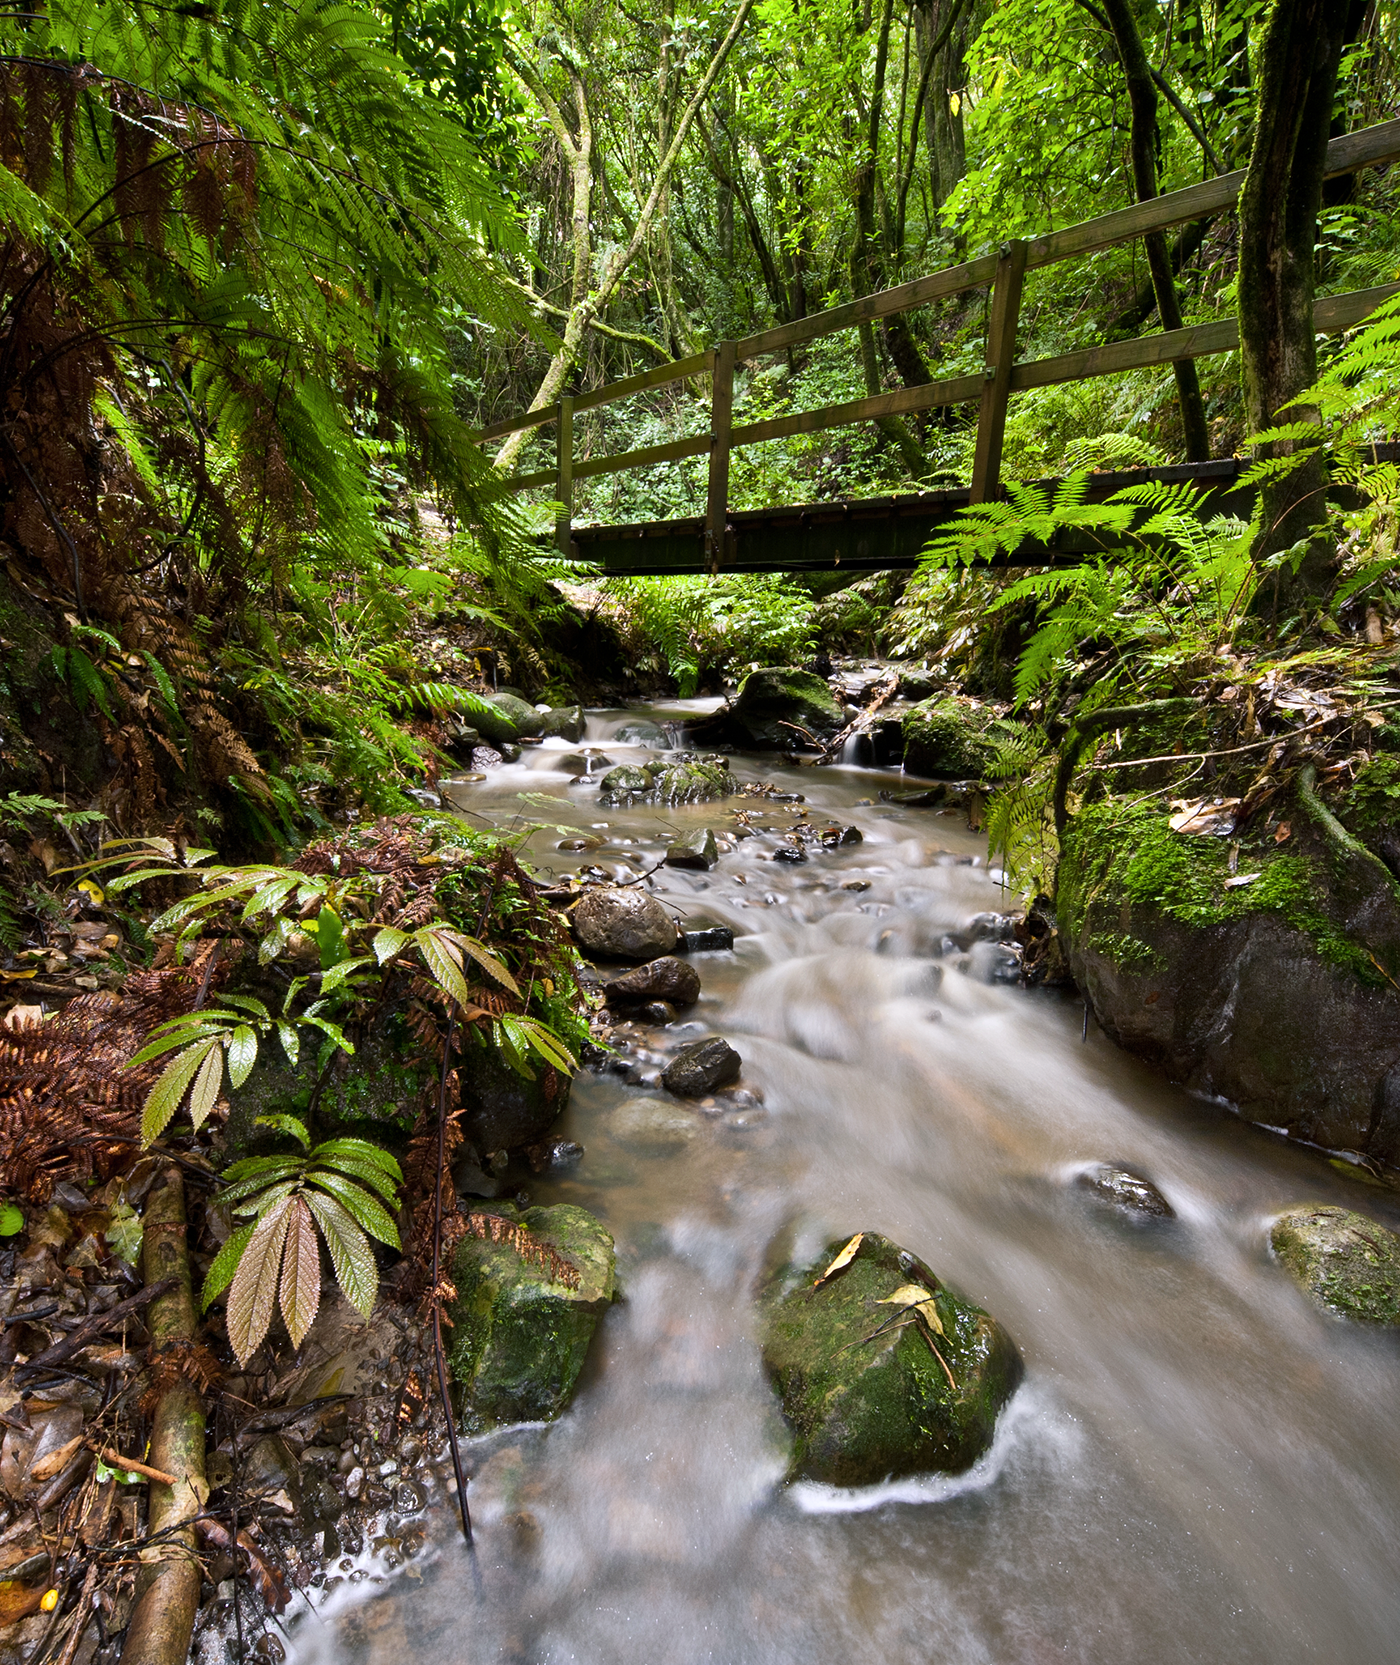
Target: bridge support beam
721 424
564 477
1001 356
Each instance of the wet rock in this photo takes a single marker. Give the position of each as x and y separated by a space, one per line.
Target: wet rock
504 1110
708 939
701 1067
696 782
790 853
553 1156
1125 1189
863 1409
664 979
695 849
949 738
657 1011
519 1332
494 725
486 757
519 713
355 1482
625 779
1345 1262
915 683
562 722
272 1474
775 709
642 733
623 925
652 1127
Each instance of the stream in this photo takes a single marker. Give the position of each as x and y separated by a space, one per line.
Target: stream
1198 1465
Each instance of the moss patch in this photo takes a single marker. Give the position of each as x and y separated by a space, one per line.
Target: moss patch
952 737
1346 1263
1118 856
862 1409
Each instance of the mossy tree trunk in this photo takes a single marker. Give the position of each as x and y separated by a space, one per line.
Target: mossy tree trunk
1297 79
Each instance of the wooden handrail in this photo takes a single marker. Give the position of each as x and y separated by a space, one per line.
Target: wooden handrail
1001 376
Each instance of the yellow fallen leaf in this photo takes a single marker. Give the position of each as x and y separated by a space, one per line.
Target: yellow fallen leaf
91 889
847 1255
18 976
916 1296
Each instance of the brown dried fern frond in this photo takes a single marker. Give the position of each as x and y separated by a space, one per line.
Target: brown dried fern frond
495 1228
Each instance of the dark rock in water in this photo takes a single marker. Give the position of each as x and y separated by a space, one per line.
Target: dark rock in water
272 1475
950 739
1259 986
505 1110
582 763
553 1155
657 1011
774 709
702 1066
627 778
666 978
1345 1262
520 1332
642 733
510 752
564 722
880 1370
1126 1190
916 683
789 852
471 1177
495 724
695 849
834 837
856 884
710 939
521 713
623 925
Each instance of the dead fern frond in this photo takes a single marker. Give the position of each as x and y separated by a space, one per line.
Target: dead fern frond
495 1228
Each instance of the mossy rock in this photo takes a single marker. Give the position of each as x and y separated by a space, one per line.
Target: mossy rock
1274 994
861 1410
693 783
519 1336
948 738
773 704
1344 1262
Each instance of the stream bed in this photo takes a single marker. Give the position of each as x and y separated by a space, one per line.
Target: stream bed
1198 1466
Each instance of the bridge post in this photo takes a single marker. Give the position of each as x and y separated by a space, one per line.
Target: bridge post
721 421
564 476
1001 355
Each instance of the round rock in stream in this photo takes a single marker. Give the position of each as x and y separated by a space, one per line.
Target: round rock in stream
702 1066
666 979
872 1387
1345 1262
623 925
1126 1190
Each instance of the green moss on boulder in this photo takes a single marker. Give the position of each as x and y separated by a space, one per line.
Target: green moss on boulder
948 738
772 705
1346 1263
519 1337
861 1410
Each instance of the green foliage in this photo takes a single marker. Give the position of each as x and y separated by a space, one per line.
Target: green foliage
701 628
336 1192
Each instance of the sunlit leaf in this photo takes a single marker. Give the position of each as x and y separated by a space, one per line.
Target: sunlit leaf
224 1265
164 1098
388 942
242 1054
846 1256
205 1092
366 1209
286 1124
351 1255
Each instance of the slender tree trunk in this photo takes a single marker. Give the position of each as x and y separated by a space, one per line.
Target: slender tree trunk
1142 100
942 123
1298 62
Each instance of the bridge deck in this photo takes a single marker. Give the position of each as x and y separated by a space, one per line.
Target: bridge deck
873 534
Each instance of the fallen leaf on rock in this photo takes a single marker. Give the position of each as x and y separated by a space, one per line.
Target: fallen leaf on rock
915 1296
847 1255
1205 815
1285 832
1240 879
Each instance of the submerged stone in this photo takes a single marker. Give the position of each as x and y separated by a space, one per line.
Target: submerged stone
652 1127
1345 1262
520 1333
708 939
627 778
862 1388
694 849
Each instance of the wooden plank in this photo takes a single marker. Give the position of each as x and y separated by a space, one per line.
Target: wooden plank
644 457
1370 146
697 365
528 482
564 476
867 308
721 421
1001 359
1331 314
901 402
513 424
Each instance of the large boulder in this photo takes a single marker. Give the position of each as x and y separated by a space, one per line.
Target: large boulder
772 710
665 979
504 1110
623 924
1269 986
694 781
562 722
529 1296
872 1387
527 720
948 738
1346 1263
625 782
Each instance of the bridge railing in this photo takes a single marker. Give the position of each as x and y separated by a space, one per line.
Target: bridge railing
1001 375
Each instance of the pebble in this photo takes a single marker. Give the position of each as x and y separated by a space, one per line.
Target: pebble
354 1481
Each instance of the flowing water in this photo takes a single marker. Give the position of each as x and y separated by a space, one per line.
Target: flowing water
1198 1466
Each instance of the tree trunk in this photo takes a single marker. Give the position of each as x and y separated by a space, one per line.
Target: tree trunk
167 1586
1298 62
1142 101
942 123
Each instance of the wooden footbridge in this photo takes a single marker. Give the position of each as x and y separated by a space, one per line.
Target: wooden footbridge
876 534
